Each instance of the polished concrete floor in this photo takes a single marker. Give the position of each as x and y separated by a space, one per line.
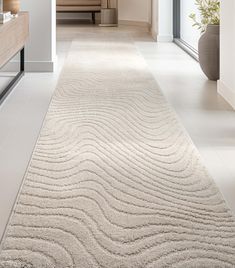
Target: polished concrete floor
208 119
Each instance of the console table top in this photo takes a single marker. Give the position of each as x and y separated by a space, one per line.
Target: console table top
13 36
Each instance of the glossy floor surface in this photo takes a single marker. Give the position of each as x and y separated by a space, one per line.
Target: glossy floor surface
208 119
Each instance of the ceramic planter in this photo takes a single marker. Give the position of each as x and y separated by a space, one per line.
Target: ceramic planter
108 16
209 52
11 5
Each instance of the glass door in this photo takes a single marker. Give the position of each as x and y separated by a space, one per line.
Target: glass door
185 34
189 34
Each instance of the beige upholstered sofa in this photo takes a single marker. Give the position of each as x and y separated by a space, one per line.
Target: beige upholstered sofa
92 6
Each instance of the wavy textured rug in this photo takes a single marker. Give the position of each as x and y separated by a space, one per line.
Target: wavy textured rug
114 180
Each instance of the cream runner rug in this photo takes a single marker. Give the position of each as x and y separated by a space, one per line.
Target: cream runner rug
114 180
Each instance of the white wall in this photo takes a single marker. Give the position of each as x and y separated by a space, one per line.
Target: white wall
165 21
162 20
154 18
41 47
226 85
134 10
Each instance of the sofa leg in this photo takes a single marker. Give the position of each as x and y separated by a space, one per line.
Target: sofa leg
93 17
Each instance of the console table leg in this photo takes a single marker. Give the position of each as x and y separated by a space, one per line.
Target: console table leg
93 17
6 91
22 60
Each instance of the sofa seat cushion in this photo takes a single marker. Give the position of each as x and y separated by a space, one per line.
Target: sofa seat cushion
78 8
78 2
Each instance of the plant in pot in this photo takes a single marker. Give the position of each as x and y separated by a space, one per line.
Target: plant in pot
209 42
11 5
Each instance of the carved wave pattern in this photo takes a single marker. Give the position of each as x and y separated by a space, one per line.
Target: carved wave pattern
114 180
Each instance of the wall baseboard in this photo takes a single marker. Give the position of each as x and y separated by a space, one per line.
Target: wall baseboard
135 23
165 38
227 93
32 66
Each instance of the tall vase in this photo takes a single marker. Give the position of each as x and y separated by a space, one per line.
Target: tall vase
11 5
209 52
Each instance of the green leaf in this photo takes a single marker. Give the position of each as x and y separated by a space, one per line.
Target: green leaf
209 14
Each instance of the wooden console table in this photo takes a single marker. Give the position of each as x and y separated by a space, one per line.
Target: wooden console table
13 37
